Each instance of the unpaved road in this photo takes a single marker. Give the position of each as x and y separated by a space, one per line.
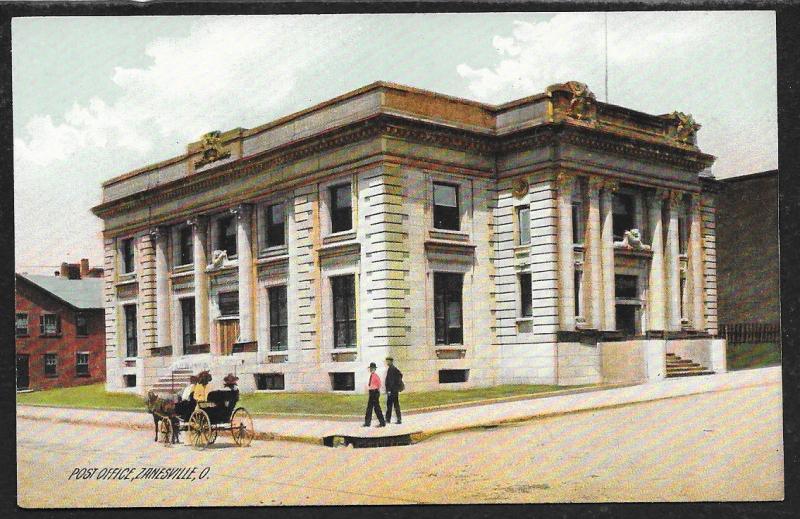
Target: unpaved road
712 447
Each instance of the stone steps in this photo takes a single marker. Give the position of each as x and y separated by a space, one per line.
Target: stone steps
679 367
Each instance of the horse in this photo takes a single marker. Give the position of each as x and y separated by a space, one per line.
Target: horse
159 407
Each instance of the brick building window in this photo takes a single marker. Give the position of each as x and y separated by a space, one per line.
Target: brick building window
278 321
276 232
50 365
273 381
21 324
49 324
126 250
82 364
344 311
131 339
187 322
524 225
525 295
341 208
445 207
81 325
185 246
226 235
447 308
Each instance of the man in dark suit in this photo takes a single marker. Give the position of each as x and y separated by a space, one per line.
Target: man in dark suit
394 384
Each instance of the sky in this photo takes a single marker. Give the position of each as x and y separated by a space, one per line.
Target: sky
94 97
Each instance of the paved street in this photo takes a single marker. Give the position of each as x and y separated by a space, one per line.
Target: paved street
716 446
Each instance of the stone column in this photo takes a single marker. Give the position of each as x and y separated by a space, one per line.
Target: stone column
592 258
159 236
244 251
672 264
199 234
607 253
656 299
695 277
565 184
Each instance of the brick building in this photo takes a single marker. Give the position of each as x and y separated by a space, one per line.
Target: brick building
60 328
552 239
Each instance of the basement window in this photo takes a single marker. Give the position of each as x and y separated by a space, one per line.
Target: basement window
343 381
273 381
453 376
129 380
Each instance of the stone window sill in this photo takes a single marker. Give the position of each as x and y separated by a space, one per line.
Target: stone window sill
336 237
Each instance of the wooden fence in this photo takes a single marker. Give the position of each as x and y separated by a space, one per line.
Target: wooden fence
739 333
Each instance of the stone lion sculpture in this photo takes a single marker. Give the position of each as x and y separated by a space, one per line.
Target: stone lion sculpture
632 240
219 258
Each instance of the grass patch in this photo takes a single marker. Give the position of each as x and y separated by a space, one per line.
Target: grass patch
92 396
354 405
758 355
95 397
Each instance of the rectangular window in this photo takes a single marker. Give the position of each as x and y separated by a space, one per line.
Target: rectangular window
276 233
344 311
453 376
525 295
577 288
126 249
228 303
626 287
447 307
683 298
445 207
341 208
50 365
82 364
623 214
274 381
278 319
21 324
682 230
131 340
226 235
185 246
129 380
524 224
343 381
49 324
187 322
81 325
577 221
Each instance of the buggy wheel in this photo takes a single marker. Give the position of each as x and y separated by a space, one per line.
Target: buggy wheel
213 435
242 427
165 431
199 429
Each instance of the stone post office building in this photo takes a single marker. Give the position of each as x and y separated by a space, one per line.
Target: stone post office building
554 239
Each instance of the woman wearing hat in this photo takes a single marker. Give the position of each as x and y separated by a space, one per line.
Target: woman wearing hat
201 389
374 388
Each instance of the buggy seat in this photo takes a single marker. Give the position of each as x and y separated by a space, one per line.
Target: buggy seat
220 405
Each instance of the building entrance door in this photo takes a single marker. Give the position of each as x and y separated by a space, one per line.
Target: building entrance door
227 334
23 373
627 317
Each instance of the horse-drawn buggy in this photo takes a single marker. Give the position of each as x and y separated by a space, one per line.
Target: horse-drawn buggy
202 420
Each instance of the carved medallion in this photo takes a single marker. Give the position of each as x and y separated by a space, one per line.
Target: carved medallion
519 187
212 149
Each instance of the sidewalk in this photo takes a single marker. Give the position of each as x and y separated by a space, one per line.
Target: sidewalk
424 425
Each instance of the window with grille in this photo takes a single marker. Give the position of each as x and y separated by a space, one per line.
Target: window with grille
21 324
524 225
226 235
447 308
131 340
49 324
278 319
82 364
50 364
525 295
276 232
445 207
341 208
344 311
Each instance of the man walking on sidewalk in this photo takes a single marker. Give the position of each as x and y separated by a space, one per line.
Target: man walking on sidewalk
374 387
394 384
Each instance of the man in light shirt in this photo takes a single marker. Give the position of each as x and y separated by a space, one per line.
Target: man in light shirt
374 388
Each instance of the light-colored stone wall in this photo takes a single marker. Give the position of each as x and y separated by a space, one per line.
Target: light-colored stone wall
633 361
578 364
708 210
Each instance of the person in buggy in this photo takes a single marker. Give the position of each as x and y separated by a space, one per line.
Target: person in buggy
186 402
224 400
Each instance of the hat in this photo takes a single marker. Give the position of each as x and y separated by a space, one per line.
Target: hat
230 379
373 365
390 359
193 379
204 377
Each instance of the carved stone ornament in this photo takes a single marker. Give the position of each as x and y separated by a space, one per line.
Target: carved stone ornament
611 185
218 258
675 199
632 241
565 181
519 187
212 149
683 128
582 105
